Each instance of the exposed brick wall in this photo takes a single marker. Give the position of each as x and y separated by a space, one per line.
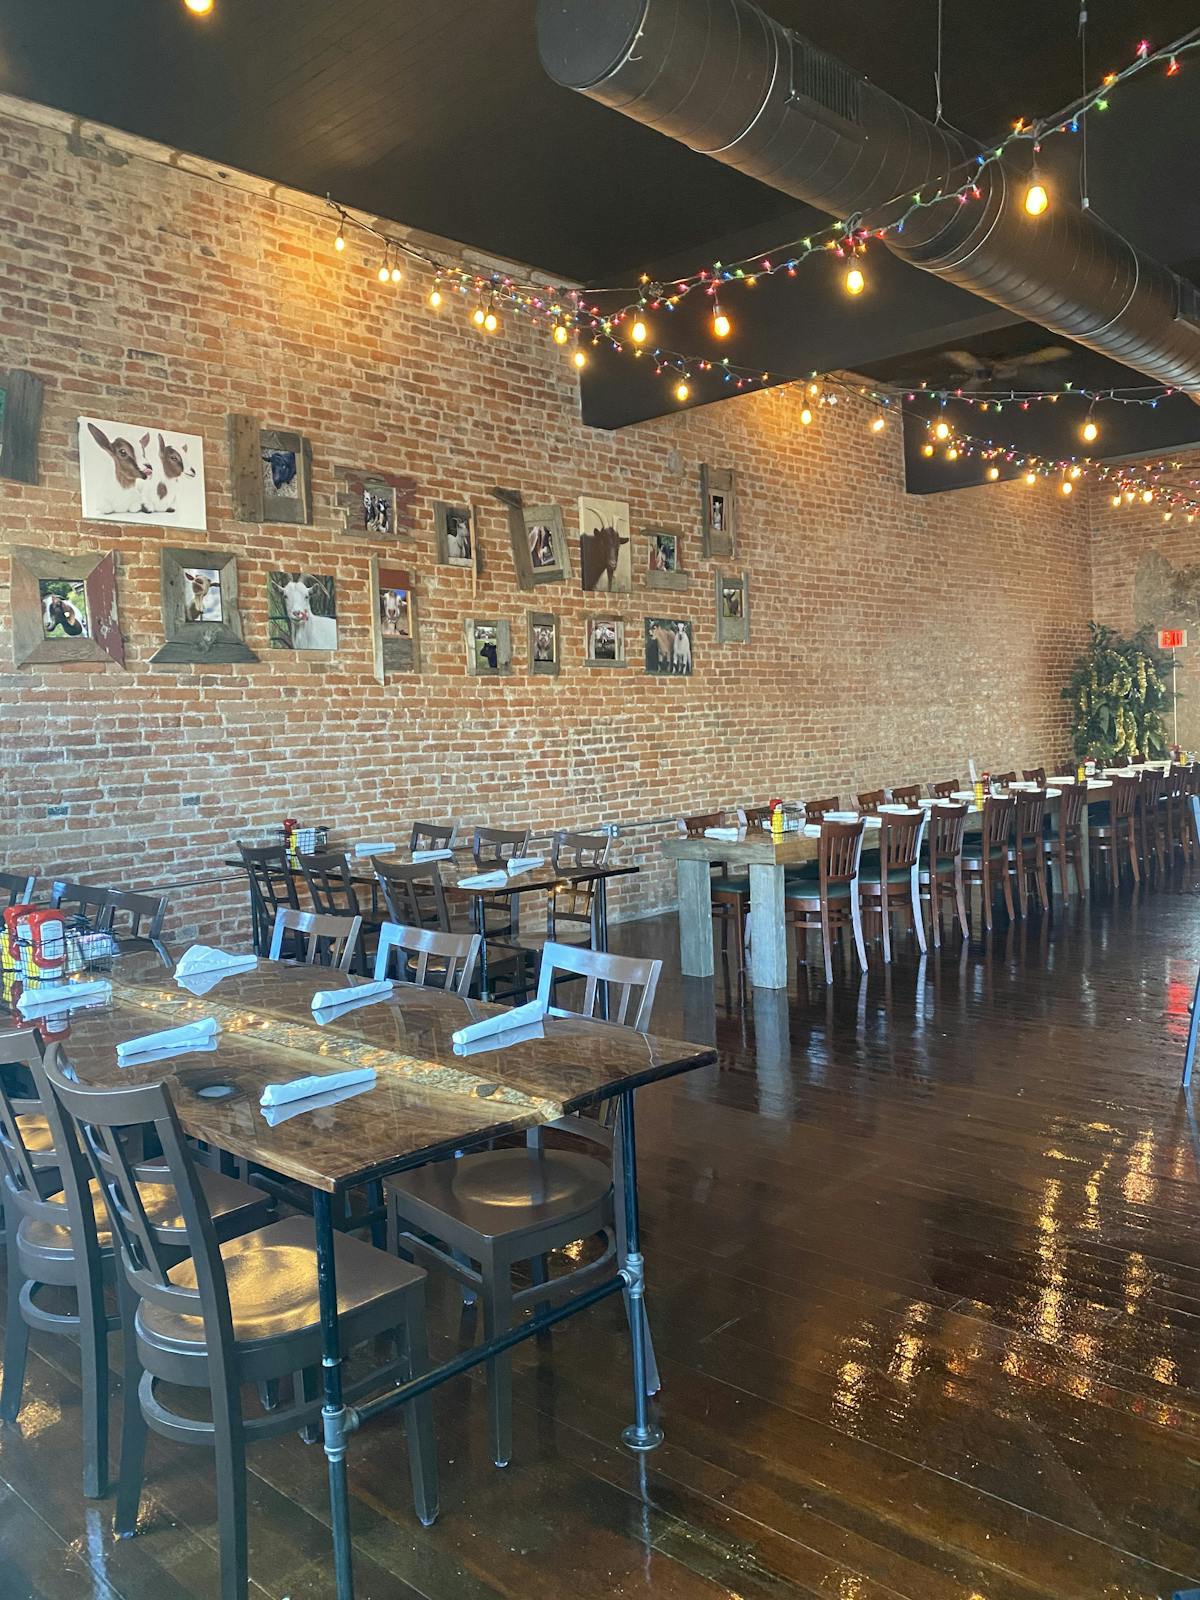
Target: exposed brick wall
891 635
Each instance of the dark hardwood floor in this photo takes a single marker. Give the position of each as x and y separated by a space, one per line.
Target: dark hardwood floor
924 1268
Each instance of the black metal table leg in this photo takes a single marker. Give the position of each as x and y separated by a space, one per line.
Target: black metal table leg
641 1434
333 1415
601 893
479 908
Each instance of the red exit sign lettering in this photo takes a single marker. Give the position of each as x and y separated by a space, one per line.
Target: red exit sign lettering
1172 638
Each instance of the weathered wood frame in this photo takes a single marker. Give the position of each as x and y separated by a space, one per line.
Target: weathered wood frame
718 541
20 425
520 519
247 441
733 630
200 642
404 654
599 661
352 482
97 572
503 646
442 510
545 619
679 579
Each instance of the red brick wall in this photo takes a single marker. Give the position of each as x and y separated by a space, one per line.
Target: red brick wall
891 636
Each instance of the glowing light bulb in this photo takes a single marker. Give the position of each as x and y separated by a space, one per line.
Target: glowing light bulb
561 333
721 324
1147 496
681 391
491 322
1116 499
942 430
993 473
1067 486
397 275
477 316
805 417
639 333
1129 497
339 243
854 282
1167 516
384 274
1036 198
199 8
1090 431
814 389
878 424
435 298
1031 478
927 450
1075 472
952 454
579 359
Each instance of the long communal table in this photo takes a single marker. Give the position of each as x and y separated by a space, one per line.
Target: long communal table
428 1101
766 858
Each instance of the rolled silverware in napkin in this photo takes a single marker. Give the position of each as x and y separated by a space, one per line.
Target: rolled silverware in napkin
38 996
203 959
328 999
432 855
517 864
517 1017
374 849
202 1032
484 880
282 1094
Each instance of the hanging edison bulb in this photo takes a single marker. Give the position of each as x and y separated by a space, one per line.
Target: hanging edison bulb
1031 478
639 333
1066 486
878 424
561 333
854 282
681 391
926 450
993 473
722 326
1037 199
1090 431
942 430
806 417
580 359
435 297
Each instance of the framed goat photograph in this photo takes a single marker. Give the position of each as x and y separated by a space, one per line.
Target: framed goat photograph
605 642
271 473
200 608
668 647
394 614
64 608
20 424
301 611
605 556
374 505
539 541
544 652
733 608
489 646
454 528
718 511
133 472
664 566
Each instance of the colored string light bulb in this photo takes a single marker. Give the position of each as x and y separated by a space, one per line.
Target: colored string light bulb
1036 197
942 430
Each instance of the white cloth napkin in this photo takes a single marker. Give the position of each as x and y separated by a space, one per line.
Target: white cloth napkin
95 991
282 1094
203 966
722 833
374 849
484 880
197 1034
328 999
841 816
501 1041
433 855
524 863
274 1115
502 1022
896 811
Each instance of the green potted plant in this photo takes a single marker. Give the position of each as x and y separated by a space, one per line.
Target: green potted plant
1118 696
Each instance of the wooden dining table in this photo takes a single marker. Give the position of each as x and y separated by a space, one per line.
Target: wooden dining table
766 858
428 1100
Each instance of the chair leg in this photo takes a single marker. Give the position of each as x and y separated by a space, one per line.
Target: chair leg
229 1453
961 901
497 1318
918 914
935 909
418 1418
987 894
1131 836
539 1274
856 923
16 1331
133 1423
827 942
93 1363
885 925
1039 868
1008 894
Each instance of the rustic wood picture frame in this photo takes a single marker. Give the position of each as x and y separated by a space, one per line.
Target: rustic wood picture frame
20 425
621 658
733 629
248 442
393 652
477 667
354 483
718 511
94 573
200 641
657 578
522 521
444 516
663 659
539 621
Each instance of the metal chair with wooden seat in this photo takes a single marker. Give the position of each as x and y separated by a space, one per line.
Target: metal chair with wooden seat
942 879
1027 847
329 941
892 883
729 892
272 885
1117 835
1062 841
234 1312
985 861
454 956
500 1208
575 907
413 893
831 900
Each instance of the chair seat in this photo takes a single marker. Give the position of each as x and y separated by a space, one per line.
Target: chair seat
810 891
731 885
871 875
35 1133
272 1278
501 1192
996 853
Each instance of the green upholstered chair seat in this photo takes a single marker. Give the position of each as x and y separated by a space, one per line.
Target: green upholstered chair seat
811 890
1099 815
732 884
896 875
998 852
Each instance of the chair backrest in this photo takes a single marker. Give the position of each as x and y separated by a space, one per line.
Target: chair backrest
1029 814
455 955
1153 784
145 913
31 1174
331 884
694 826
943 790
88 901
491 846
271 882
1125 792
947 827
1004 778
900 835
753 816
16 889
839 851
331 940
413 893
1070 808
906 794
622 974
580 849
814 810
574 904
1035 775
997 821
871 801
1176 782
1119 761
432 836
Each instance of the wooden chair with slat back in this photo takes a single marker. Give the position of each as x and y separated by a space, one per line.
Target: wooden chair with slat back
985 856
334 893
1004 778
1175 795
501 1208
1118 761
573 906
272 885
814 810
871 801
1035 775
329 941
454 957
1117 836
1063 844
413 894
753 816
491 848
945 789
432 836
227 1316
729 891
907 794
1155 843
87 901
136 919
832 900
942 879
16 888
894 884
1027 848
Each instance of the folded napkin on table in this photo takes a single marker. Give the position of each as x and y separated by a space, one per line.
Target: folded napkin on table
502 1022
524 863
897 811
501 1041
374 849
200 1034
722 833
274 1115
484 880
327 999
91 992
433 855
206 958
841 816
282 1094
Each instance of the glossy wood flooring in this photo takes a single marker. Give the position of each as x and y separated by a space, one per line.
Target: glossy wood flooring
924 1259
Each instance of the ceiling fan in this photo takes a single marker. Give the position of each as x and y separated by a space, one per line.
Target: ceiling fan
980 373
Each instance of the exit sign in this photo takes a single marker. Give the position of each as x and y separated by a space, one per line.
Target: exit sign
1172 638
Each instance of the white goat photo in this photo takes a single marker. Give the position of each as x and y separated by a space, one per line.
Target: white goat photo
302 612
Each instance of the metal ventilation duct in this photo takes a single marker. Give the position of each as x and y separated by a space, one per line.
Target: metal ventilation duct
730 82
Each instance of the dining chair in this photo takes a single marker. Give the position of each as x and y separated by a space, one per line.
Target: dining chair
235 1311
943 877
1035 775
328 941
1027 847
1004 778
1117 762
1175 807
432 836
832 900
814 810
272 885
906 794
479 1216
413 893
334 893
754 816
576 905
491 848
871 801
1189 1052
1155 841
1110 837
729 892
1063 843
16 888
86 901
455 956
944 789
892 883
985 859
58 1237
135 919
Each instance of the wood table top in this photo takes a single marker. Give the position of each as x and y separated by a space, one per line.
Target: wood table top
426 1100
452 872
